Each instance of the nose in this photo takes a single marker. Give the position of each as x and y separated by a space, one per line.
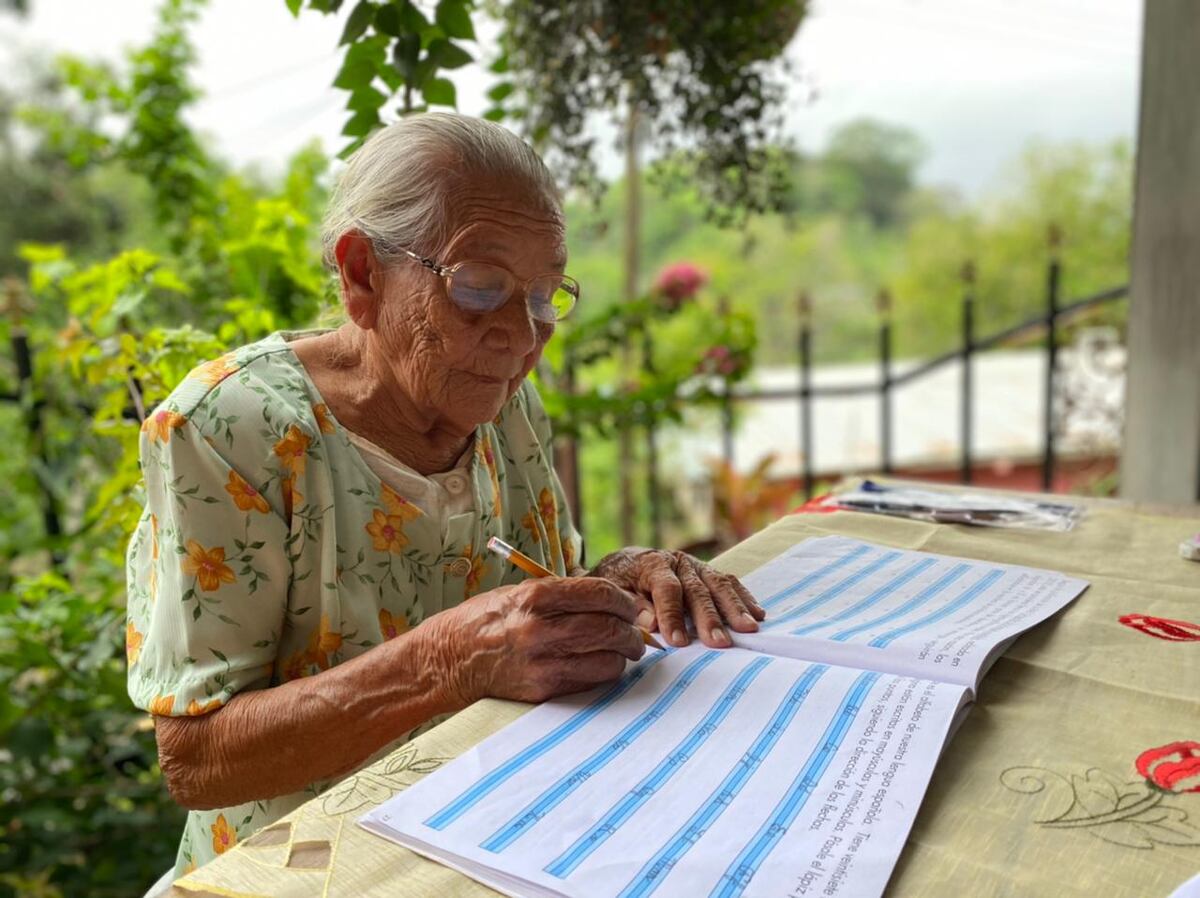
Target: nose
511 328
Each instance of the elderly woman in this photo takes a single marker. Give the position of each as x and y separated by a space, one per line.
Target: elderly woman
309 584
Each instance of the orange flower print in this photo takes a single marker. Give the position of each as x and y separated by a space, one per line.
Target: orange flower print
212 373
291 495
387 532
328 640
324 421
547 508
224 836
532 522
395 504
322 643
244 495
133 643
484 449
568 553
160 424
154 537
295 666
292 448
195 709
475 575
162 705
391 626
207 565
549 513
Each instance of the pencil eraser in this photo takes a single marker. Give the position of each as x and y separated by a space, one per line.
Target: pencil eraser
1190 549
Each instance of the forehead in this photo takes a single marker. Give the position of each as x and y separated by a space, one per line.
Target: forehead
508 228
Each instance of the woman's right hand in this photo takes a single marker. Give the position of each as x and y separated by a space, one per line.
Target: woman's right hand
538 639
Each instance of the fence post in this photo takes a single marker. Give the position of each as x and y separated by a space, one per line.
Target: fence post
27 394
968 349
726 398
806 434
651 449
1053 277
884 306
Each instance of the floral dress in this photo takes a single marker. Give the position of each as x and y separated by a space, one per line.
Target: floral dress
268 549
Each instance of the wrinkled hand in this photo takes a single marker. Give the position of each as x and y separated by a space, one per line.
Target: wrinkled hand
667 583
540 638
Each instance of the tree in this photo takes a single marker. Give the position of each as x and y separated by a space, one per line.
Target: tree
874 165
702 76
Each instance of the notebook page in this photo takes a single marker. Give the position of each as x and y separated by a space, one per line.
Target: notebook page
701 772
845 601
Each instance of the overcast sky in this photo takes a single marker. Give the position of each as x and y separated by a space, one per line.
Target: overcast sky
977 79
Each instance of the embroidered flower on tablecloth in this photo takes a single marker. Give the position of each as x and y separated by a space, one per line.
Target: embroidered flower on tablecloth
1162 627
1174 767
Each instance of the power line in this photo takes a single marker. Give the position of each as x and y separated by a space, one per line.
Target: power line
259 81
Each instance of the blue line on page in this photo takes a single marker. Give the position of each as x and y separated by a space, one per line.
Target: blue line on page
810 579
873 599
983 583
528 817
619 814
656 869
832 592
739 873
527 756
912 604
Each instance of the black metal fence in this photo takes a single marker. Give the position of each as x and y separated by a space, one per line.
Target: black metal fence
1056 314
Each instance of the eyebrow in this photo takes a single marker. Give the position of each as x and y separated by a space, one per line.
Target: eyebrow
560 256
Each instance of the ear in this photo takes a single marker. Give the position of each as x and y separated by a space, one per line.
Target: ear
361 277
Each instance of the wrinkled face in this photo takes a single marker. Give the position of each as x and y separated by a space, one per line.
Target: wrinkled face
459 368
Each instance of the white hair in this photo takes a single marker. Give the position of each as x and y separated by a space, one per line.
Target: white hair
398 187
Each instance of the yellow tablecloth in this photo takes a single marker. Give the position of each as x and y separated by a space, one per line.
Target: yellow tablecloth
1037 794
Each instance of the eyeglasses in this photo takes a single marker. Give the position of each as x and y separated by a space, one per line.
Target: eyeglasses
482 287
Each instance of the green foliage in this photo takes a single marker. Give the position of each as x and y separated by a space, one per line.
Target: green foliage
832 247
204 259
869 167
672 376
701 74
398 46
78 774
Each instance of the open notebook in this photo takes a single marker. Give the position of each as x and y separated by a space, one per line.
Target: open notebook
790 766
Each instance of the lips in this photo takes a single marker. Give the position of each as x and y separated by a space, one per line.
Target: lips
492 378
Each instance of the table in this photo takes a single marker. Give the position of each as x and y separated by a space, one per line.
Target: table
1037 794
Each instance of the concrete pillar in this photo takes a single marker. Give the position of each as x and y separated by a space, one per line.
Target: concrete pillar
1161 454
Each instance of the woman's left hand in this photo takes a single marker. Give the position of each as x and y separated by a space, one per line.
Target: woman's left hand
668 583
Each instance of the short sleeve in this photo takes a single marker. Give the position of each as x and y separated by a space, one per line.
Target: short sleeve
207 572
556 514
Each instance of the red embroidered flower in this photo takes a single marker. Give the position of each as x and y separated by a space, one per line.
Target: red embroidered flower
1174 767
822 504
1162 627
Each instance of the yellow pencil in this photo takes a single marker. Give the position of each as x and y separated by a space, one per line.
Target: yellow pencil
531 567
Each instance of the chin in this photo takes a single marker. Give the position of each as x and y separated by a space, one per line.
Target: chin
471 414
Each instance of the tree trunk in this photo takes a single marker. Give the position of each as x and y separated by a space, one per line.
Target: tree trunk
633 237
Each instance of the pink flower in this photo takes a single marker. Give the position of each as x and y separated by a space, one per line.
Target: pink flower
719 359
679 281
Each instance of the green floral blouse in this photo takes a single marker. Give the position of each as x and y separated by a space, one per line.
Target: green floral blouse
268 549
